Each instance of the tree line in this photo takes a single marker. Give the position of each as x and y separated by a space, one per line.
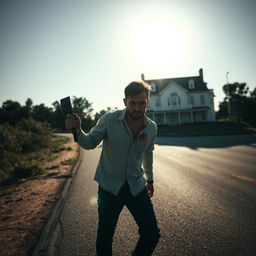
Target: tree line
12 112
26 134
239 104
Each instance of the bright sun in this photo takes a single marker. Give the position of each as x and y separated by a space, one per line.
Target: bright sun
158 42
155 39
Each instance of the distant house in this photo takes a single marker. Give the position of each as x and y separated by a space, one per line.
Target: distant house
180 100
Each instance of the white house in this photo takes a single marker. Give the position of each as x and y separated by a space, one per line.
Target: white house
180 100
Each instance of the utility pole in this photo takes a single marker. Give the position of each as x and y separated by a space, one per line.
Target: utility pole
229 109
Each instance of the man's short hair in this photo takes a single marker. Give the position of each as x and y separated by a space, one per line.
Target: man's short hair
137 87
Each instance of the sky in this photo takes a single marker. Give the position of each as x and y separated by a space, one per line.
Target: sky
51 49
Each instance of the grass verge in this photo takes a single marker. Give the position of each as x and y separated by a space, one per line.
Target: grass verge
31 164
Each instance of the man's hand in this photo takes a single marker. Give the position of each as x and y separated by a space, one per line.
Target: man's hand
73 121
150 189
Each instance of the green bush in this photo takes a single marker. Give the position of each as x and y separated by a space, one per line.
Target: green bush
57 144
8 139
28 136
36 135
10 150
27 169
57 149
69 161
17 142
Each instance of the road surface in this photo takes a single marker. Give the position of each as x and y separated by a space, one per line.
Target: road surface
205 200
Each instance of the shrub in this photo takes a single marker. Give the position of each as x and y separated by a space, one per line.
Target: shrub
36 134
8 138
57 149
17 142
27 169
69 161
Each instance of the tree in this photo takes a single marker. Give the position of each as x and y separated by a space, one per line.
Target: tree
236 95
253 93
242 105
223 110
11 112
84 109
27 109
235 89
58 117
42 113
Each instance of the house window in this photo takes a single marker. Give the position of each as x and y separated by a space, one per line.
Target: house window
158 101
191 84
202 99
192 101
174 99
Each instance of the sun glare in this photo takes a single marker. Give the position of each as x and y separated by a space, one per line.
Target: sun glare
158 42
155 39
93 200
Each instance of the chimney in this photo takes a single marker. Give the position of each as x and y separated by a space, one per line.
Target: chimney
142 77
201 74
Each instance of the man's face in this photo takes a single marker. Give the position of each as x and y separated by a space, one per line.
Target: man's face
136 105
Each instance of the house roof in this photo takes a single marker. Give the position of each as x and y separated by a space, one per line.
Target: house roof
160 84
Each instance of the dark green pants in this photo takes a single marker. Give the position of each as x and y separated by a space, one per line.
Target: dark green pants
141 208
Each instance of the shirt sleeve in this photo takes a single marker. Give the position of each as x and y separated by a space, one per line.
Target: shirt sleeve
96 135
148 159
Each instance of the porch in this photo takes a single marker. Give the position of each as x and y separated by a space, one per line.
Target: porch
179 117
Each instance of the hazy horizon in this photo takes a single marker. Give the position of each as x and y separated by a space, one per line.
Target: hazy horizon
93 49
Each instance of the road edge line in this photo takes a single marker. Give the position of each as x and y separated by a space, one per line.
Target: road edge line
46 235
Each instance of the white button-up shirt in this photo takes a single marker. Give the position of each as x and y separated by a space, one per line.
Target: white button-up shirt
123 157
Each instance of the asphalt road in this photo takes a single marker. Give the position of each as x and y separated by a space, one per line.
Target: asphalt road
205 200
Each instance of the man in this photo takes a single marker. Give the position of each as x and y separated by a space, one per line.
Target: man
128 142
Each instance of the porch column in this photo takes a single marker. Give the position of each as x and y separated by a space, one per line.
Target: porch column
164 117
192 119
208 115
179 117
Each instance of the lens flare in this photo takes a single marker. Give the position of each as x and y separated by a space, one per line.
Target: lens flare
93 200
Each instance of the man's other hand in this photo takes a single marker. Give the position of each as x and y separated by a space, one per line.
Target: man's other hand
150 189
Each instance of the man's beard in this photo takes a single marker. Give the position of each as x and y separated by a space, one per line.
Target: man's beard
136 115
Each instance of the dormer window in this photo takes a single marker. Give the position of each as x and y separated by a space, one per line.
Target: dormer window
191 84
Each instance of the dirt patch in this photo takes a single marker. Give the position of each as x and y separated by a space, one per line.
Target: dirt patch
27 205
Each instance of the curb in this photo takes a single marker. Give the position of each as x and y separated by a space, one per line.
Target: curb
46 235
